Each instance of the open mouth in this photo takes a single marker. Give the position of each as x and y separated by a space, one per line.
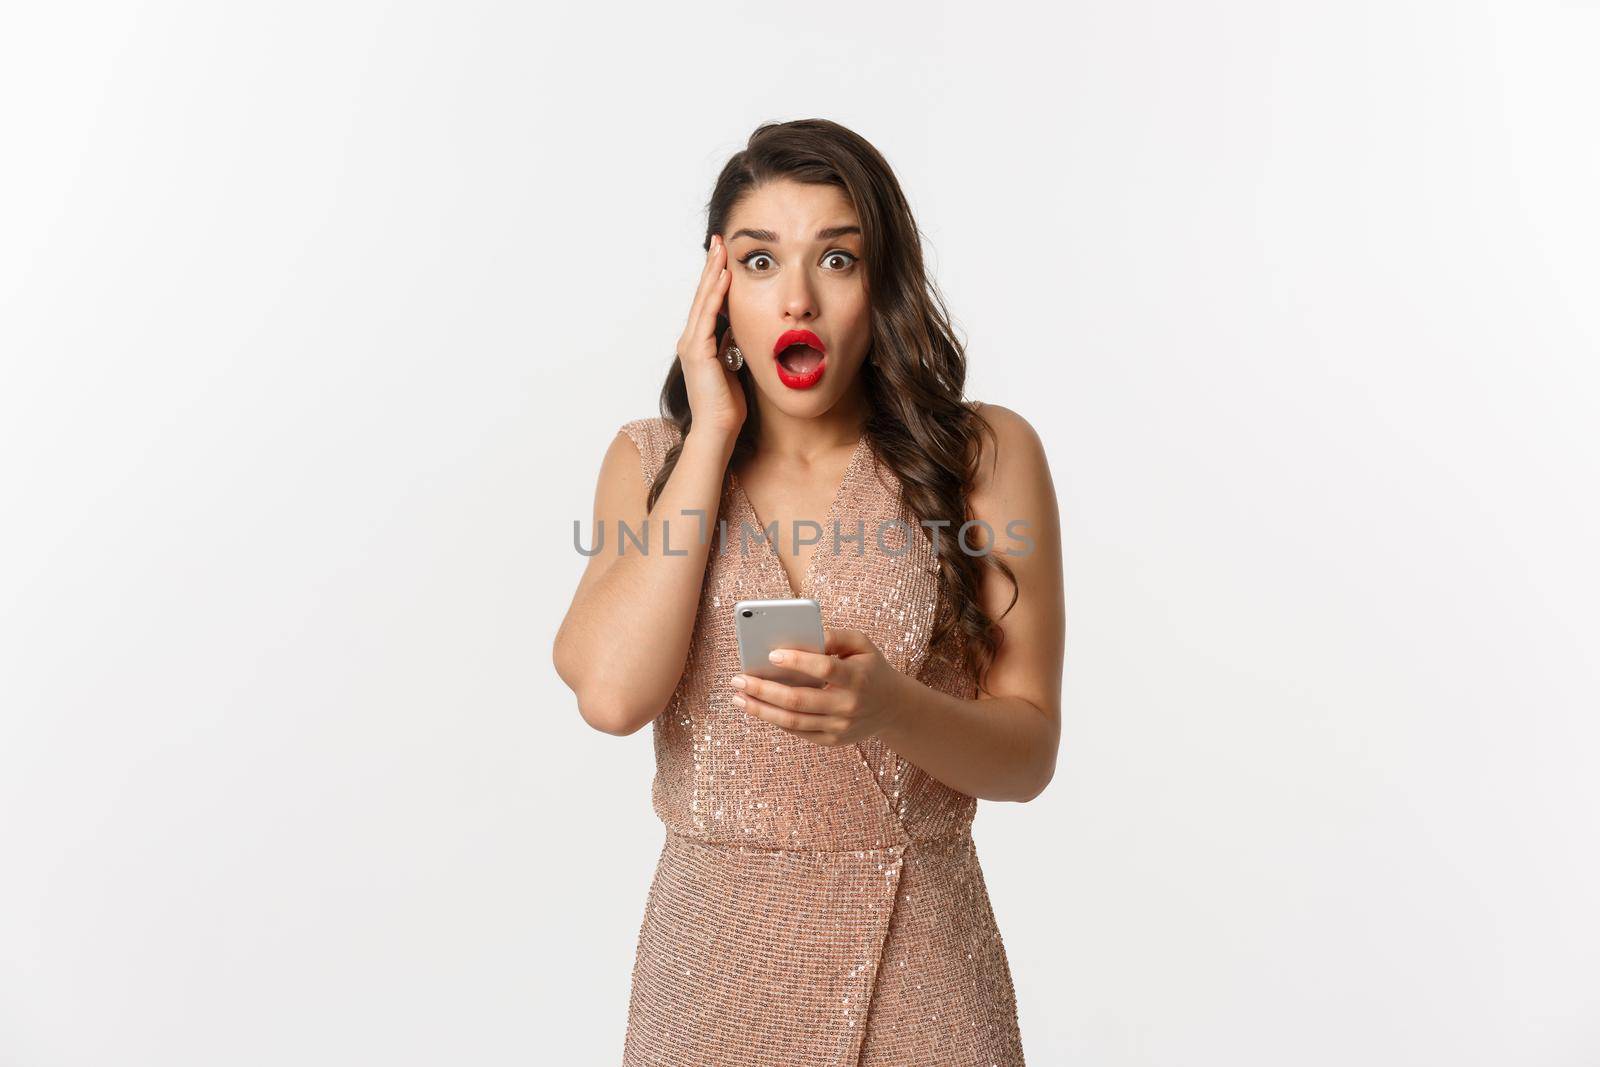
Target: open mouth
800 357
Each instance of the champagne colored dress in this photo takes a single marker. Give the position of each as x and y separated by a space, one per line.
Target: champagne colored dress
812 905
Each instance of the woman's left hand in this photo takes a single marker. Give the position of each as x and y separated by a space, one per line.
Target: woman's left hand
864 694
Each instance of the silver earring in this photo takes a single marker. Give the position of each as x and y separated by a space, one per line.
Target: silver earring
733 357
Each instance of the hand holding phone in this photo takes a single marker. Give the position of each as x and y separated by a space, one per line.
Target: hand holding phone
763 625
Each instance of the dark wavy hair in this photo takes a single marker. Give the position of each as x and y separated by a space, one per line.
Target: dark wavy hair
919 425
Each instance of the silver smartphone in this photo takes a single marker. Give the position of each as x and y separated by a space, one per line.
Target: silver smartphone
763 625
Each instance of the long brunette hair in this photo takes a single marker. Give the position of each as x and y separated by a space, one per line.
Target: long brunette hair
919 426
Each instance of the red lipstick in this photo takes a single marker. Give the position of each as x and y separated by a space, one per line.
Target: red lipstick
802 368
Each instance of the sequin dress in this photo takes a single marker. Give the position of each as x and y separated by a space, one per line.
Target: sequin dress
813 905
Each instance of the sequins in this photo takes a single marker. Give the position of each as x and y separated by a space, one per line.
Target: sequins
813 905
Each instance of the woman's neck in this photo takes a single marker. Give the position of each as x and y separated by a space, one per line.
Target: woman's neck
802 438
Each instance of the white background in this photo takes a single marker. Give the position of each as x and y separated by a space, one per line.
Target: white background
317 319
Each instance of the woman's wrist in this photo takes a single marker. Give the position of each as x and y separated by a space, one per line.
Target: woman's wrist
713 444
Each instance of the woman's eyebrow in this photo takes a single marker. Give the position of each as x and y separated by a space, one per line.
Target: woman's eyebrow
826 234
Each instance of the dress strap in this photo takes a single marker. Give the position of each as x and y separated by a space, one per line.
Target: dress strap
653 437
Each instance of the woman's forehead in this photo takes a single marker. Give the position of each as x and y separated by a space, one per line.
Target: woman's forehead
784 211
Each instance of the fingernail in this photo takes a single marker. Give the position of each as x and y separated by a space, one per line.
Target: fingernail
776 657
738 701
737 681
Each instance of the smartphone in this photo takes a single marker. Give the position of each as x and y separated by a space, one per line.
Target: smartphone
763 625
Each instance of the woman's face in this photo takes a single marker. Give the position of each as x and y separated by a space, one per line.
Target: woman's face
795 255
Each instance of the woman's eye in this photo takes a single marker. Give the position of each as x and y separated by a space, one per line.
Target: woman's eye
750 260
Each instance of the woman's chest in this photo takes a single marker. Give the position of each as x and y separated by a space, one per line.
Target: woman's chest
870 568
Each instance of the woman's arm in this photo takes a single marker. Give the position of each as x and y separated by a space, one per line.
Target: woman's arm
1002 745
623 643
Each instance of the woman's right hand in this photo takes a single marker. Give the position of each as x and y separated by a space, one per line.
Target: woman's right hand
716 396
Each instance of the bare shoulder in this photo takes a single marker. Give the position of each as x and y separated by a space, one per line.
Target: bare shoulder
1012 462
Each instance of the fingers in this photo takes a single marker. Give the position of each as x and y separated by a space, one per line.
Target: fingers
790 698
819 665
719 287
845 642
818 729
708 297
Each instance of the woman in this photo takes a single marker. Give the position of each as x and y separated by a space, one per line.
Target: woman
818 899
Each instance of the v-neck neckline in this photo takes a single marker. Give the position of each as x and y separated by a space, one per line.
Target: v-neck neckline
771 553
